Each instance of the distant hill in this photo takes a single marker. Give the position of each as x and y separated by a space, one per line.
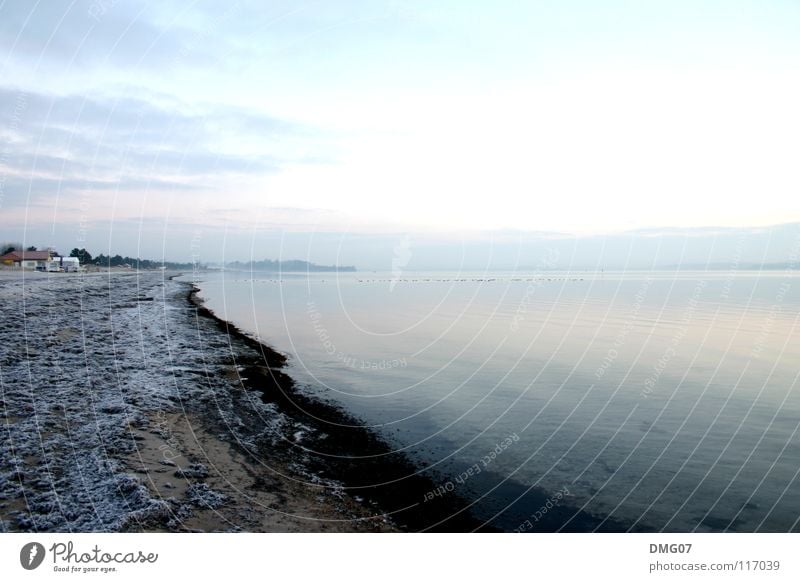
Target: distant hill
288 266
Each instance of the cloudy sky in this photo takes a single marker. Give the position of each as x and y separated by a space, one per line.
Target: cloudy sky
171 128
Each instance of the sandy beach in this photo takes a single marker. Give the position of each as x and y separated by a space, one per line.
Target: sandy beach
128 406
123 411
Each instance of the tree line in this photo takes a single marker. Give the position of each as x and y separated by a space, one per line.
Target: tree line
101 260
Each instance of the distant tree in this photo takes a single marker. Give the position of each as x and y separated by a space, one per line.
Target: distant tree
31 248
82 255
8 247
102 260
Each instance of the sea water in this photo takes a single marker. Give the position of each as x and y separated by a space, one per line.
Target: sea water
658 400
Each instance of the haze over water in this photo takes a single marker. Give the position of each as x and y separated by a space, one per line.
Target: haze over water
659 400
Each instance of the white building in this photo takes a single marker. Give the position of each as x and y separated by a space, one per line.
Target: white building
66 264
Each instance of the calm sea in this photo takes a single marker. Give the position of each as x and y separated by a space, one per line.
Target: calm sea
656 399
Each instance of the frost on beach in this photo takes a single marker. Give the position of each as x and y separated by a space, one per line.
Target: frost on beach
92 368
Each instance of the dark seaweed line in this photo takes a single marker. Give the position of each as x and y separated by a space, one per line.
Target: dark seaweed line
353 455
359 458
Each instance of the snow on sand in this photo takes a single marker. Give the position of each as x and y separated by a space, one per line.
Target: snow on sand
123 411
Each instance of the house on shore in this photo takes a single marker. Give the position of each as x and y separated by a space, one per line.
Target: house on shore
33 260
40 261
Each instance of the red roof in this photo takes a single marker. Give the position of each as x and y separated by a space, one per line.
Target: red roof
26 256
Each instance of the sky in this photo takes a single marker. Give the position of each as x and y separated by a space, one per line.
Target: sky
244 129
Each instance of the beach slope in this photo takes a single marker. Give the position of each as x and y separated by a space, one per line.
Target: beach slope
123 409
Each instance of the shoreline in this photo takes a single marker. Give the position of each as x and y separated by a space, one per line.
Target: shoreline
130 406
358 458
121 412
345 450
